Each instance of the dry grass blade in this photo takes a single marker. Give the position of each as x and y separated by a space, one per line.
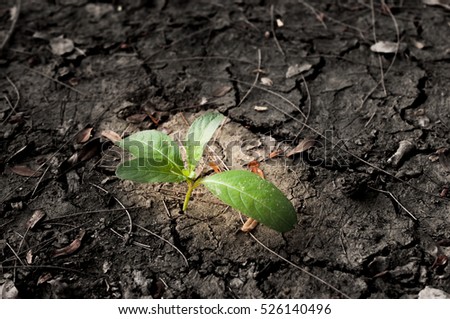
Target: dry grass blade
166 241
272 24
56 81
258 70
120 203
303 146
296 266
13 108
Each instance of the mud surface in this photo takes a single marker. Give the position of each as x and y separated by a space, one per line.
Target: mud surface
372 222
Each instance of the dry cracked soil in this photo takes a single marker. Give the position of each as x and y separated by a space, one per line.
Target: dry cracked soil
369 85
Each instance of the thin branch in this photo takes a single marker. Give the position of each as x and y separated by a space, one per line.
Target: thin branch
167 209
380 62
94 212
39 181
120 203
315 11
166 241
332 19
272 25
13 108
397 201
308 96
255 81
397 32
296 266
273 93
56 81
17 258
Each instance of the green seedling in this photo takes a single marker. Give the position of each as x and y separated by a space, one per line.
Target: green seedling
157 159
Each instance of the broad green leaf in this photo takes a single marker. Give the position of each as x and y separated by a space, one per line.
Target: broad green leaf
254 197
199 134
157 157
146 170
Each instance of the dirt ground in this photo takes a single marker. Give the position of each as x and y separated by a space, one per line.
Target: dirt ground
373 217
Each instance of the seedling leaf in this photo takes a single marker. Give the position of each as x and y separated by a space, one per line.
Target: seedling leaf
146 170
254 197
157 158
199 134
154 145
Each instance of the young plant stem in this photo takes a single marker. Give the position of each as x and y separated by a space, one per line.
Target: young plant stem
192 184
188 194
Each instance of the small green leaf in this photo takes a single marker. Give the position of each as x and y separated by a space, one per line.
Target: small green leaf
157 158
254 197
199 134
146 170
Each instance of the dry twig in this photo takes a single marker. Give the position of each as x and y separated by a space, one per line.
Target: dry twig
256 79
272 24
120 203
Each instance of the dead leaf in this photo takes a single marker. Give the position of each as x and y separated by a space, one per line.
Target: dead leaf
8 290
111 135
35 218
41 35
44 278
260 108
254 168
73 159
440 261
16 118
387 47
203 100
442 3
280 23
215 167
249 225
418 44
89 150
221 91
136 118
61 45
73 247
296 69
154 119
29 257
303 146
84 135
266 81
106 266
24 170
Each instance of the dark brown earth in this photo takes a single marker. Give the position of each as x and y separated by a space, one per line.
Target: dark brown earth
369 225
